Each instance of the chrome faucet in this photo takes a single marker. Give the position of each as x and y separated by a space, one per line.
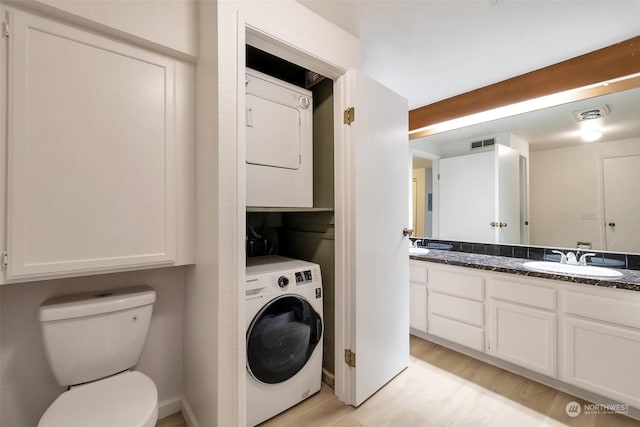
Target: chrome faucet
563 257
570 258
583 259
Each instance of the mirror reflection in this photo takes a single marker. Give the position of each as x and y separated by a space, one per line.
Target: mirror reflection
565 176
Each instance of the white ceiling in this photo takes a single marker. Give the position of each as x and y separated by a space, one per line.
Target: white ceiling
553 127
431 50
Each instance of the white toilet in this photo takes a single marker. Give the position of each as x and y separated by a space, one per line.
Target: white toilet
92 341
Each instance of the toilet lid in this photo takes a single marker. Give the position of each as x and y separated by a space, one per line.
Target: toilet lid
129 399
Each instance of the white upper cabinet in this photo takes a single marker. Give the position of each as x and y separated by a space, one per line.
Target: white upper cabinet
91 153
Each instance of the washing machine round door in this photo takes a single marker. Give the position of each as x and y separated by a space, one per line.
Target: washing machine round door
281 339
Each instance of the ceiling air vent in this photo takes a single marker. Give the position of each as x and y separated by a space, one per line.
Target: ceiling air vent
484 143
591 113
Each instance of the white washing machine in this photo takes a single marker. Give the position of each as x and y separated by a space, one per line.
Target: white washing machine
284 334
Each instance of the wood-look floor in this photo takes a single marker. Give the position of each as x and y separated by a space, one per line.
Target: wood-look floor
175 420
443 388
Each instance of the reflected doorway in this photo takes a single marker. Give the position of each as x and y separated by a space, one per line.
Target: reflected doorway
422 195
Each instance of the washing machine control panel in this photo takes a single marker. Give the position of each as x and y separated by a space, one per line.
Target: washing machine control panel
303 277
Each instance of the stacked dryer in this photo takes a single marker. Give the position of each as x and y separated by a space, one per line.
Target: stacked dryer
284 334
279 135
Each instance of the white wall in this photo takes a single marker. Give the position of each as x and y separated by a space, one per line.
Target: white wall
201 322
166 23
28 386
564 184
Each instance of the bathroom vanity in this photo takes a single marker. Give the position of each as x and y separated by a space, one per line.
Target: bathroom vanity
575 333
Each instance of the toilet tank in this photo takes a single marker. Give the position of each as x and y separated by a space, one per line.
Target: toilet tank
93 335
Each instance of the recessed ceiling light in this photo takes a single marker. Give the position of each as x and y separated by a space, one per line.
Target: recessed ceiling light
590 135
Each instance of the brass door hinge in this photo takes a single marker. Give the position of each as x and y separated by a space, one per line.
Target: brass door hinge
350 358
349 116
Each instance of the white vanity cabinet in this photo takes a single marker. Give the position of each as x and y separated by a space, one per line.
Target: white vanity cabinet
522 324
582 335
418 295
456 306
95 152
602 343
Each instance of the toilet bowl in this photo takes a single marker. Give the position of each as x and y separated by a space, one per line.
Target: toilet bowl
126 399
92 341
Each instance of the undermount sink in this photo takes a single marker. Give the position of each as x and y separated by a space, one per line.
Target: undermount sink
578 270
418 251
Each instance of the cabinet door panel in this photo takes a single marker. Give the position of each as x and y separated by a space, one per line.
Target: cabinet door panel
524 336
418 307
91 152
604 359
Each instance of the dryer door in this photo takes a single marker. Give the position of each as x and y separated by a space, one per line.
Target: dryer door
281 339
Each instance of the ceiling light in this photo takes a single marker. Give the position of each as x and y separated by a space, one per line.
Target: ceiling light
590 135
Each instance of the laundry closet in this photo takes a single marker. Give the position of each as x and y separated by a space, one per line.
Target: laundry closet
290 172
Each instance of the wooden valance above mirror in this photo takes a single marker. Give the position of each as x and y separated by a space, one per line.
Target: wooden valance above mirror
603 65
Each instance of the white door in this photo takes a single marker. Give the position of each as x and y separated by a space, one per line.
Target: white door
622 203
508 195
467 202
372 206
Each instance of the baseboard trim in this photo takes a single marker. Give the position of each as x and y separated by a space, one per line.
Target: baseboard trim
187 413
328 378
169 406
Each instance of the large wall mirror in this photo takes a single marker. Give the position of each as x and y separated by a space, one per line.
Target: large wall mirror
567 176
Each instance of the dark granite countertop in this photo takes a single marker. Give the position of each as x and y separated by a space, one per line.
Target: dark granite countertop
630 279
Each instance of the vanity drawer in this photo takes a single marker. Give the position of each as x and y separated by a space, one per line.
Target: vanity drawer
463 285
454 308
535 296
622 312
461 333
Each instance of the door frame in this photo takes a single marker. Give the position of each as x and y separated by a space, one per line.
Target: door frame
258 32
435 185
